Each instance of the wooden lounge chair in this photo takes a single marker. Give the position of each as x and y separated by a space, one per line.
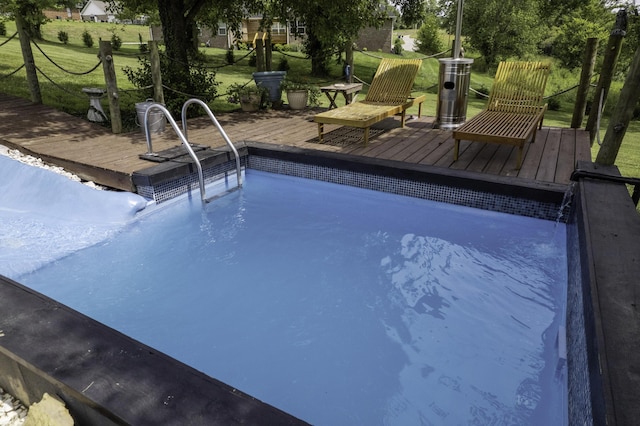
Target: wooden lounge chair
515 109
388 95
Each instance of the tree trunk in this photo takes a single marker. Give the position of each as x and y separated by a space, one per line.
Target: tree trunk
319 58
588 64
348 56
622 114
178 38
611 54
29 63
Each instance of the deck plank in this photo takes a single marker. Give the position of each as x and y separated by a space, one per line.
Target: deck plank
549 160
566 158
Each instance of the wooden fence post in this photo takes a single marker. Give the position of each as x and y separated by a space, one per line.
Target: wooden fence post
29 63
589 62
609 62
268 54
348 58
622 114
156 74
259 55
106 54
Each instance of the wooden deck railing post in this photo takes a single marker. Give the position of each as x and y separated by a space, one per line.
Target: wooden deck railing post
106 54
589 62
156 74
29 63
611 54
619 122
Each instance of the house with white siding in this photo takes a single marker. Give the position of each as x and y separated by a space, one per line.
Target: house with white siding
97 11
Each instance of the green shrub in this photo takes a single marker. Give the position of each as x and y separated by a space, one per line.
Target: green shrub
568 46
554 104
283 65
197 82
87 39
142 47
116 42
480 65
3 29
428 37
482 92
397 46
63 36
229 56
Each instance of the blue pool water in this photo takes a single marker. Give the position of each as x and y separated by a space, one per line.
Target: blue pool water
339 305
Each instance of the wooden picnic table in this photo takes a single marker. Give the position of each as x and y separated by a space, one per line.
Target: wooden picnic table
349 92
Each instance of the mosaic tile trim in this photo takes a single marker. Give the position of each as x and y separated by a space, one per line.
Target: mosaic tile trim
578 381
168 190
425 190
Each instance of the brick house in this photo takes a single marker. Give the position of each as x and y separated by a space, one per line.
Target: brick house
68 14
372 39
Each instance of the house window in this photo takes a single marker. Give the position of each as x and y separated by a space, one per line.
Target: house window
222 29
278 28
297 28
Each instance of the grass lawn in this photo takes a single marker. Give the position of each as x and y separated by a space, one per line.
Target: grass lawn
64 91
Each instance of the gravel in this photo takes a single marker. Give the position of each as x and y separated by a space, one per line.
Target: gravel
37 162
12 412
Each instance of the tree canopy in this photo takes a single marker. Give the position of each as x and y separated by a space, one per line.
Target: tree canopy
500 29
30 10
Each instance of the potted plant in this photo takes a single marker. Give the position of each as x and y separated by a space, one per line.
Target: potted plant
271 81
299 94
250 97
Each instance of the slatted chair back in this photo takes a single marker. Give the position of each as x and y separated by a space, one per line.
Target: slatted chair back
393 81
519 87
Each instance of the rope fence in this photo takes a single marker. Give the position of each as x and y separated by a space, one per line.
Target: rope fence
9 39
12 72
63 69
50 80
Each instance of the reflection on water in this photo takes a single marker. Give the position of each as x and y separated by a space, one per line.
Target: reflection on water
472 327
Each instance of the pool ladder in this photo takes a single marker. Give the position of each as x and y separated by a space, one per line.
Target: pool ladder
183 137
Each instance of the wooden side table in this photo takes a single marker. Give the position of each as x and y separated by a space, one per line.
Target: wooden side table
349 92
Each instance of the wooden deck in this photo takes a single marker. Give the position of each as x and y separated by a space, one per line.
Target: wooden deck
93 153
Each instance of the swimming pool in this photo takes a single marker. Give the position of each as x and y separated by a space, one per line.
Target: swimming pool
369 319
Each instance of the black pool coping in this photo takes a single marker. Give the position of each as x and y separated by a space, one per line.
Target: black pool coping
105 377
609 227
181 166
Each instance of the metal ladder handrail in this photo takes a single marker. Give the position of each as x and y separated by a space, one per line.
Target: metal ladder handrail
183 139
220 129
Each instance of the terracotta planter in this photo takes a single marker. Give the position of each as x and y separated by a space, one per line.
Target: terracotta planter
297 99
250 103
